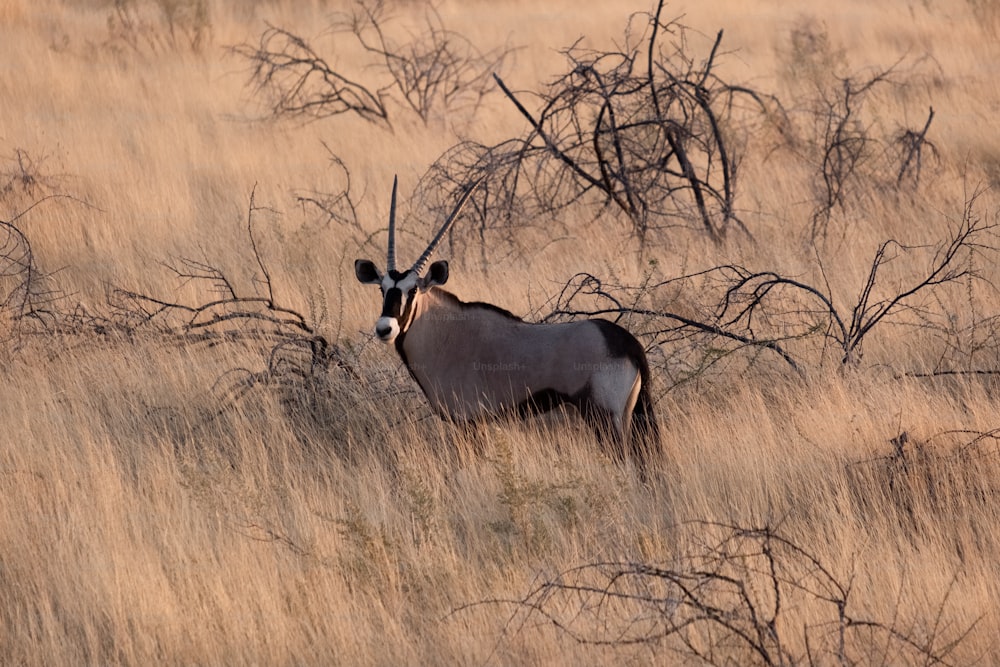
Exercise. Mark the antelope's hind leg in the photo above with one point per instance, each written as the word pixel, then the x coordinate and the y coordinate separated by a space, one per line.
pixel 609 411
pixel 607 427
pixel 612 400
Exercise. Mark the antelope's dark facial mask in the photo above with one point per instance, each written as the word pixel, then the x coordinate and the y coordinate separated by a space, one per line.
pixel 398 291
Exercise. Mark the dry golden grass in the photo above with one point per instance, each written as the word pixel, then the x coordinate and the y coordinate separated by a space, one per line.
pixel 150 517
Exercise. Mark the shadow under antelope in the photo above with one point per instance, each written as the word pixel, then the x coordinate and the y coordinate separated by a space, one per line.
pixel 475 360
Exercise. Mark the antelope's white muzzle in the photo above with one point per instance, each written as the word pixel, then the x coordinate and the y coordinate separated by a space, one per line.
pixel 387 328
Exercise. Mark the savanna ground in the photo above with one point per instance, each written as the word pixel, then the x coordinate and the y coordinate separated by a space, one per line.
pixel 213 486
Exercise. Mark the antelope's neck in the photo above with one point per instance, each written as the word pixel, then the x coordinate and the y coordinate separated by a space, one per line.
pixel 427 327
pixel 430 307
pixel 434 300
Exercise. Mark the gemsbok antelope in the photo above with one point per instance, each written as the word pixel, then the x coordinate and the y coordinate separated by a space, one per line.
pixel 476 360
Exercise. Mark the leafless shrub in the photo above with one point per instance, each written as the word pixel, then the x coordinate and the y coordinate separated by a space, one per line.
pixel 642 132
pixel 295 353
pixel 336 207
pixel 947 477
pixel 734 598
pixel 850 148
pixel 911 145
pixel 318 382
pixel 438 70
pixel 433 72
pixel 23 176
pixel 845 144
pixel 297 81
pixel 26 294
pixel 764 311
pixel 683 347
pixel 767 301
pixel 30 300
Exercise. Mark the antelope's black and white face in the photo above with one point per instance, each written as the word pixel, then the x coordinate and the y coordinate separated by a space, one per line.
pixel 400 292
pixel 401 289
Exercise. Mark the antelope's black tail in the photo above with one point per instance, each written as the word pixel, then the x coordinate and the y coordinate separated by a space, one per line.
pixel 645 441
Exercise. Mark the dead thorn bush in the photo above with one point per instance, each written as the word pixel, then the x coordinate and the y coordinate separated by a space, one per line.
pixel 643 131
pixel 294 350
pixel 736 597
pixel 430 73
pixel 746 312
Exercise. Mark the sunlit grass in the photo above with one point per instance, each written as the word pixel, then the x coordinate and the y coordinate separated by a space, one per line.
pixel 155 509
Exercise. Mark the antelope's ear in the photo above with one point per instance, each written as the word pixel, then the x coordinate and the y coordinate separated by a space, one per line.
pixel 437 274
pixel 366 272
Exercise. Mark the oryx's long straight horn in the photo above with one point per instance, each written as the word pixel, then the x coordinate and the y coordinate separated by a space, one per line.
pixel 391 254
pixel 419 265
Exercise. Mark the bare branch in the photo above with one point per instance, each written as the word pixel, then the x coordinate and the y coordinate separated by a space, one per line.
pixel 913 144
pixel 234 316
pixel 256 252
pixel 298 82
pixel 737 589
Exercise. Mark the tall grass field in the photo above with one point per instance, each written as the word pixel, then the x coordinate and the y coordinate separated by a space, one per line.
pixel 207 458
